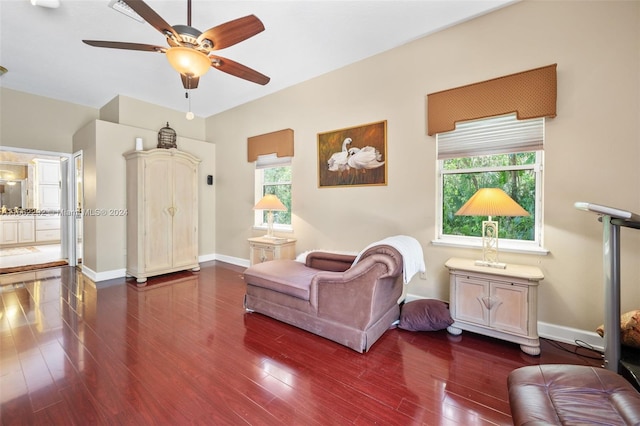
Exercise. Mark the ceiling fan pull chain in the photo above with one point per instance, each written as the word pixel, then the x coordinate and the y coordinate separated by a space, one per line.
pixel 190 115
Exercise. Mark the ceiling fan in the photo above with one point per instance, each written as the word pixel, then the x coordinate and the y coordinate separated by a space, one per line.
pixel 189 50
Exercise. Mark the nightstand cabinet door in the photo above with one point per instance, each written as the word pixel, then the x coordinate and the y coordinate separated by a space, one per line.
pixel 509 307
pixel 261 253
pixel 500 303
pixel 468 300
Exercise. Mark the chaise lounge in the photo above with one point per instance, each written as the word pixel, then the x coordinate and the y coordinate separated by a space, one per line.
pixel 329 295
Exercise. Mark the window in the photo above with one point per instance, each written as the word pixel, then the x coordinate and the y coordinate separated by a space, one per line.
pixel 273 176
pixel 498 152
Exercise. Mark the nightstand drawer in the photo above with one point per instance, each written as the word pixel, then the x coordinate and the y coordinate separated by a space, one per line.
pixel 266 249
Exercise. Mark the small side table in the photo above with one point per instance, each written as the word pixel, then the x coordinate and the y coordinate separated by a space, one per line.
pixel 501 303
pixel 263 249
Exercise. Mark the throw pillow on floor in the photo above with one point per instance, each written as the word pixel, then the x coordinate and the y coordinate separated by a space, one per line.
pixel 425 315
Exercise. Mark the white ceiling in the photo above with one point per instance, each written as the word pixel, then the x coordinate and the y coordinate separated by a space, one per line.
pixel 43 50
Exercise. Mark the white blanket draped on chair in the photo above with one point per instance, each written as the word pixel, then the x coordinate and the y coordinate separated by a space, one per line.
pixel 411 252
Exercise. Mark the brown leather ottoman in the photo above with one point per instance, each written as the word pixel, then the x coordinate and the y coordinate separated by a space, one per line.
pixel 559 394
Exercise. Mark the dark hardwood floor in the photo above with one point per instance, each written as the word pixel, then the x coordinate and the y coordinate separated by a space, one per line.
pixel 184 351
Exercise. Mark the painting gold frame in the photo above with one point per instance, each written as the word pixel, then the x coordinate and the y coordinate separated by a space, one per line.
pixel 353 156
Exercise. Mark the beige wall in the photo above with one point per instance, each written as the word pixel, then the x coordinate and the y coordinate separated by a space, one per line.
pixel 103 144
pixel 35 122
pixel 206 193
pixel 592 148
pixel 133 112
pixel 39 123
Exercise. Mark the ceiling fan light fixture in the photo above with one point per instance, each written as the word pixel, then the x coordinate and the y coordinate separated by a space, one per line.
pixel 188 61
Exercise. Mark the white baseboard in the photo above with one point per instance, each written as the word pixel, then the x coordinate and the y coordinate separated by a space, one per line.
pixel 238 261
pixel 556 332
pixel 206 257
pixel 97 277
pixel 411 297
pixel 570 335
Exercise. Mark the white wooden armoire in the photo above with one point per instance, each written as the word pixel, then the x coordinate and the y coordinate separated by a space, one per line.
pixel 162 212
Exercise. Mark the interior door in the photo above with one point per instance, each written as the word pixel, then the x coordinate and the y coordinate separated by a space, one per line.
pixel 78 203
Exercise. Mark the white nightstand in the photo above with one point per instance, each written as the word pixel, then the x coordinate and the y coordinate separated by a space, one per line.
pixel 501 303
pixel 264 249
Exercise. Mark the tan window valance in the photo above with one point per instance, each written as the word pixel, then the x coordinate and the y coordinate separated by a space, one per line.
pixel 530 94
pixel 280 143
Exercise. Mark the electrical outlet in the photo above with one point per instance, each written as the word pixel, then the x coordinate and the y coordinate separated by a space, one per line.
pixel 423 275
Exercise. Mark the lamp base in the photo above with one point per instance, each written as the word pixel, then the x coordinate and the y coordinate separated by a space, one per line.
pixel 498 265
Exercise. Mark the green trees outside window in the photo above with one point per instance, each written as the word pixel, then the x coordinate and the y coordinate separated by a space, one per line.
pixel 277 181
pixel 513 173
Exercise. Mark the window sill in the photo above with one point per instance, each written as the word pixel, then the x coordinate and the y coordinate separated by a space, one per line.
pixel 503 246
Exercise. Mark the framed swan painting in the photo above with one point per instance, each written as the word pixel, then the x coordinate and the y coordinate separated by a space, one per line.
pixel 354 156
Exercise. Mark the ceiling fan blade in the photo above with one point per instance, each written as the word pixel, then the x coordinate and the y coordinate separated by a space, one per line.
pixel 232 32
pixel 238 70
pixel 189 82
pixel 125 45
pixel 150 15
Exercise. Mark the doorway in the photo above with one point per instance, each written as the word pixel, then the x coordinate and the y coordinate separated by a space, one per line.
pixel 35 229
pixel 78 203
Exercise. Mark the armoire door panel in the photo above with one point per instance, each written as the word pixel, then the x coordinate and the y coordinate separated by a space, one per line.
pixel 185 218
pixel 157 202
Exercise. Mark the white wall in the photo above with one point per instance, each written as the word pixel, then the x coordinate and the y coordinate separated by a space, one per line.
pixel 592 148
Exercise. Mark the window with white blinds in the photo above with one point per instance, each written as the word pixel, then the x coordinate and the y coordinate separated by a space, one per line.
pixel 499 152
pixel 495 135
pixel 272 160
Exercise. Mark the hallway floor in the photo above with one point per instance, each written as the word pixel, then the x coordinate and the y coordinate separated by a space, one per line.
pixel 30 255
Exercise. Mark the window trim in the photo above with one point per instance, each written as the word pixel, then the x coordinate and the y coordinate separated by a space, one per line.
pixel 505 245
pixel 266 162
